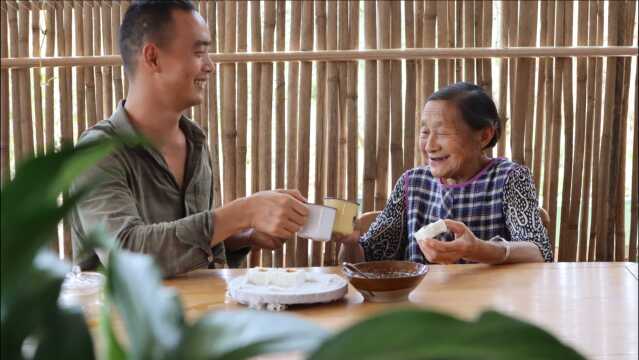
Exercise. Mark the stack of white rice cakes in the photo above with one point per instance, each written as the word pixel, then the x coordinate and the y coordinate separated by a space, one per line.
pixel 274 289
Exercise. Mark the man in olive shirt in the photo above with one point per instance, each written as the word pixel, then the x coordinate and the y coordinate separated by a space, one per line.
pixel 157 199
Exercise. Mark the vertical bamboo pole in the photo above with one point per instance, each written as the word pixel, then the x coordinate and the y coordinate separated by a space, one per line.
pixel 212 118
pixel 107 71
pixel 419 81
pixel 256 74
pixel 521 139
pixel 469 41
pixel 293 85
pixel 80 70
pixel 428 66
pixel 37 77
pixel 97 50
pixel 626 28
pixel 303 154
pixel 342 151
pixel 48 110
pixel 292 114
pixel 351 103
pixel 280 113
pixel 397 155
pixel 229 134
pixel 26 112
pixel 332 117
pixel 409 86
pixel 383 125
pixel 12 21
pixel 487 36
pixel 459 39
pixel 5 169
pixel 89 85
pixel 256 46
pixel 589 126
pixel 117 69
pixel 320 123
pixel 124 6
pixel 605 242
pixel 242 102
pixel 442 42
pixel 450 22
pixel 548 110
pixel 512 64
pixel 503 80
pixel 266 103
pixel 634 202
pixel 596 145
pixel 478 22
pixel 370 109
pixel 569 244
pixel 195 112
pixel 540 97
pixel 580 128
pixel 553 176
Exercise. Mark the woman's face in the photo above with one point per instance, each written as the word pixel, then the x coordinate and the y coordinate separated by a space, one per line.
pixel 448 144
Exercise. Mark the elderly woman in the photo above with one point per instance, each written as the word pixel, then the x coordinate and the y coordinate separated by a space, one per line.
pixel 488 204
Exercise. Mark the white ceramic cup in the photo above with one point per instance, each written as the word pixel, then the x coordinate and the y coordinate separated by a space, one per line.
pixel 320 223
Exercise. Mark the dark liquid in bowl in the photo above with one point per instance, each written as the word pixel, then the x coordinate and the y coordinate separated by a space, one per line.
pixel 388 274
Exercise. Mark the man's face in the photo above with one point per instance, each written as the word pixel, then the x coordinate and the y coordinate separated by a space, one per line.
pixel 184 63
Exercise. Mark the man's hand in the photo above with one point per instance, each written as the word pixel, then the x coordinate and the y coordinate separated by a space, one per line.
pixel 450 252
pixel 278 213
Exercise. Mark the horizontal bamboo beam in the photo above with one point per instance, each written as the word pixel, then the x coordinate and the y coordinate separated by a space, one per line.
pixel 347 55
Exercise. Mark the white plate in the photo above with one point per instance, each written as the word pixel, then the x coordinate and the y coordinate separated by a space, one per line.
pixel 324 288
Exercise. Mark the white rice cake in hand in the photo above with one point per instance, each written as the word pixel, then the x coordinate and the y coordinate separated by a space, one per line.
pixel 431 230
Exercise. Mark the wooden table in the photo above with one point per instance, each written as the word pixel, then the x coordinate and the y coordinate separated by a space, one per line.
pixel 591 306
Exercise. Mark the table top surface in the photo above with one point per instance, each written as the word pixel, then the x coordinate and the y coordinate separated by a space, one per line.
pixel 591 306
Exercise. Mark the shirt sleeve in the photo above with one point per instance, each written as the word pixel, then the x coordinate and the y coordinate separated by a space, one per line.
pixel 383 239
pixel 521 210
pixel 177 246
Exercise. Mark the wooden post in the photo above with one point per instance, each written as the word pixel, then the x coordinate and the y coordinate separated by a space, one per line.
pixel 229 134
pixel 487 36
pixel 605 240
pixel 124 6
pixel 107 71
pixel 280 113
pixel 97 50
pixel 342 150
pixel 540 97
pixel 26 112
pixel 503 80
pixel 370 110
pixel 117 70
pixel 256 46
pixel 397 155
pixel 12 21
pixel 634 207
pixel 212 118
pixel 320 121
pixel 37 77
pixel 597 136
pixel 409 86
pixel 332 118
pixel 469 41
pixel 89 84
pixel 478 29
pixel 459 39
pixel 79 70
pixel 579 141
pixel 242 103
pixel 442 42
pixel 292 111
pixel 513 12
pixel 383 125
pixel 266 103
pixel 548 110
pixel 303 153
pixel 5 169
pixel 351 104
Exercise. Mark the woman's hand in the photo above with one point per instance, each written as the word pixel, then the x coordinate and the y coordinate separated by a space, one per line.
pixel 450 252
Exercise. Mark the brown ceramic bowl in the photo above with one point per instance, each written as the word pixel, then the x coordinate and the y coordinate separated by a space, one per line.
pixel 388 280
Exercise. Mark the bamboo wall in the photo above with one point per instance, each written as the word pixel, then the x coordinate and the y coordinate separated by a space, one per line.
pixel 348 128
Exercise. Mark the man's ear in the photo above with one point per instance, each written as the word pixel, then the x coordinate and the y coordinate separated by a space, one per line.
pixel 487 135
pixel 150 54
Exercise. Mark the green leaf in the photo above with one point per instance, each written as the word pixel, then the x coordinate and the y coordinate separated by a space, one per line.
pixel 66 336
pixel 112 348
pixel 417 334
pixel 152 314
pixel 234 335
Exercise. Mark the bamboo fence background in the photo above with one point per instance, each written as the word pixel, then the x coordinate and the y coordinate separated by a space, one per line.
pixel 348 128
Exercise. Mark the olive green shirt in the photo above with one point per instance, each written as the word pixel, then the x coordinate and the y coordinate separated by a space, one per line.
pixel 138 202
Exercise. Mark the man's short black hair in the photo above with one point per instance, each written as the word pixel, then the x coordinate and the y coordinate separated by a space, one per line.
pixel 147 20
